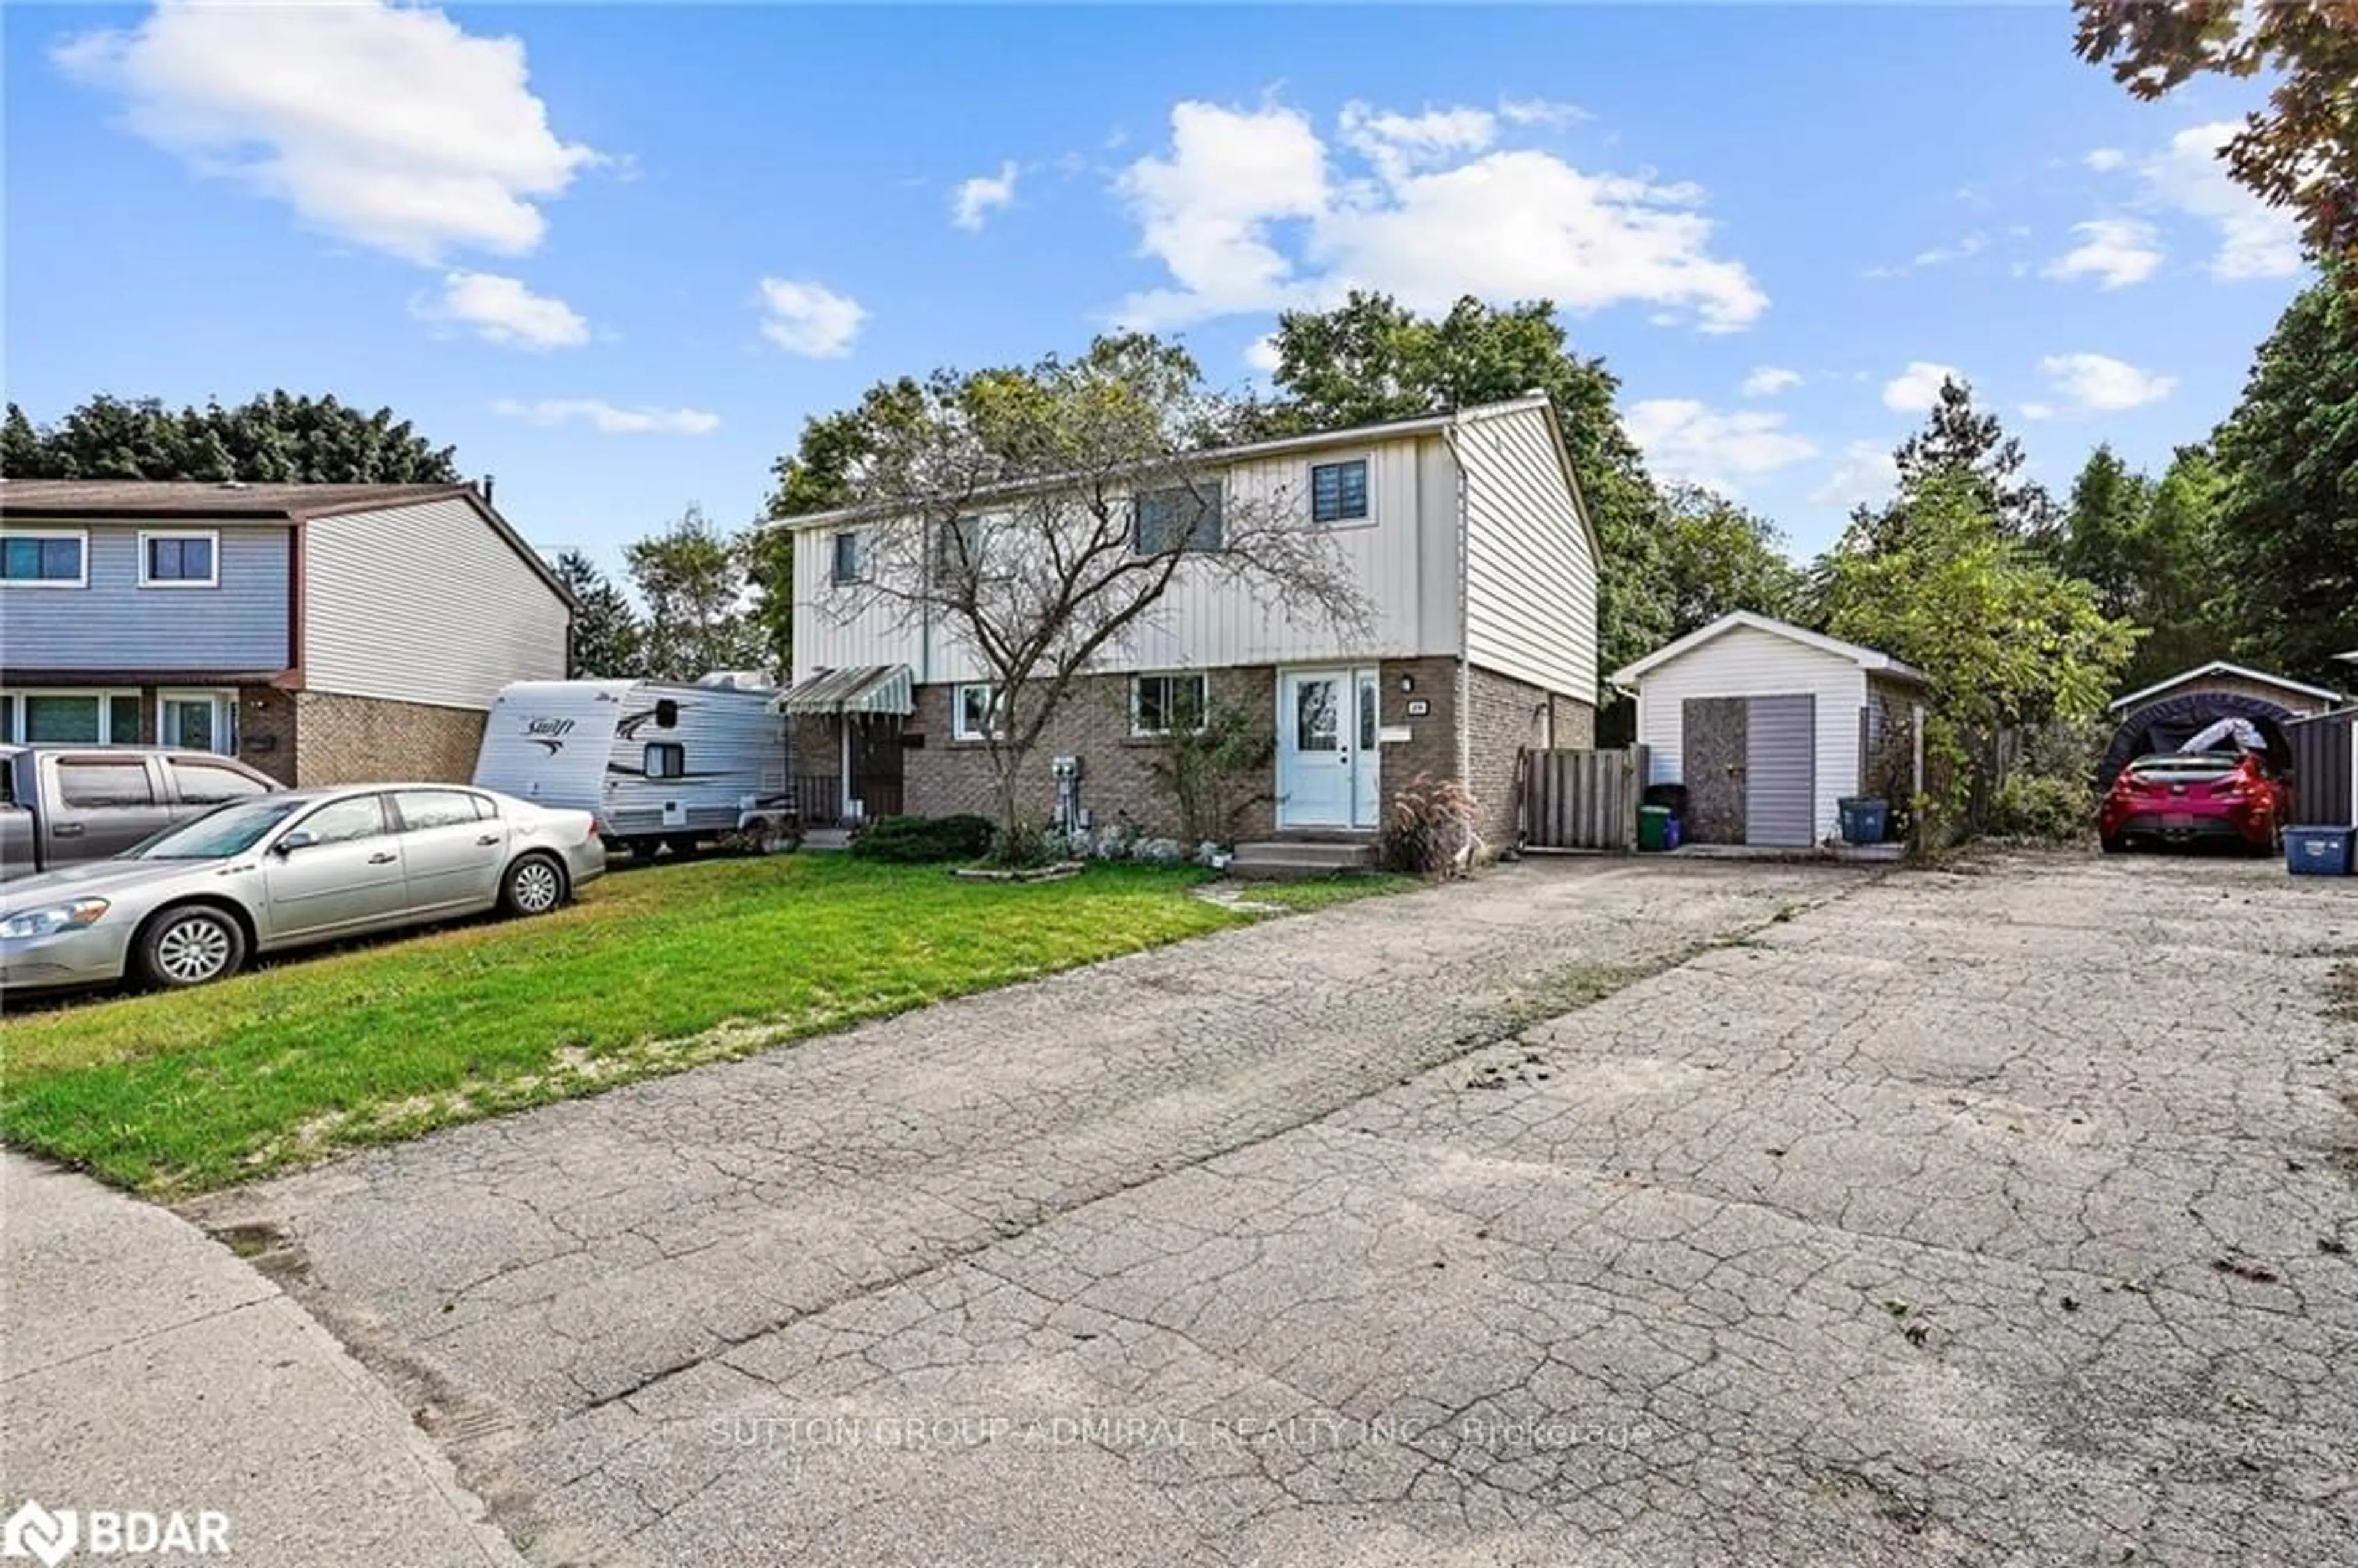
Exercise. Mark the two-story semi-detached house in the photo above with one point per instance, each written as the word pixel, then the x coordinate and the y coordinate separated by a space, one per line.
pixel 1465 535
pixel 325 633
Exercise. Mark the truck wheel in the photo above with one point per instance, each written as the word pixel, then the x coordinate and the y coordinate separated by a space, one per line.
pixel 534 885
pixel 190 946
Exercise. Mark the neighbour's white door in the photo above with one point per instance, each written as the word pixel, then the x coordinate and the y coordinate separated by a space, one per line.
pixel 1326 757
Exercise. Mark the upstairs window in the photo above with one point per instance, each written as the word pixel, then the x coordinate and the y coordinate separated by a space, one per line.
pixel 958 547
pixel 847 562
pixel 1338 492
pixel 42 560
pixel 178 560
pixel 1185 517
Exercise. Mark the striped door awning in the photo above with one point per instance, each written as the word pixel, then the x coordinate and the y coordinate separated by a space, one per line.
pixel 854 688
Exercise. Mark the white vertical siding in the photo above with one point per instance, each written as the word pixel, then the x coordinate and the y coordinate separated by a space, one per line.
pixel 1747 663
pixel 425 603
pixel 1403 561
pixel 1530 578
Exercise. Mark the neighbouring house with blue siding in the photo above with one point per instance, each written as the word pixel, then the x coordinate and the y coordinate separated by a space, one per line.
pixel 324 632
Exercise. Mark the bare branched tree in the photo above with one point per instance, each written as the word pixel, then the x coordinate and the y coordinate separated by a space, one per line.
pixel 1039 519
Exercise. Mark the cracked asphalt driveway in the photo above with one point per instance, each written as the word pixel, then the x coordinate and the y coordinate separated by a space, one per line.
pixel 1993 1217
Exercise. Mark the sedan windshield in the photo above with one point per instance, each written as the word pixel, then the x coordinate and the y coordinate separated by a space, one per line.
pixel 217 835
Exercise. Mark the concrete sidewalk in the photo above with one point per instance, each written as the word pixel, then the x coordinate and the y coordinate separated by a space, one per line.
pixel 144 1367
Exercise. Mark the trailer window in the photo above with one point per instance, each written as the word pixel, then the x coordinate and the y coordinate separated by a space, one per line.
pixel 665 760
pixel 667 714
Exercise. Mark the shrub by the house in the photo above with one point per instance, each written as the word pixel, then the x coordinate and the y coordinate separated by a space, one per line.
pixel 917 840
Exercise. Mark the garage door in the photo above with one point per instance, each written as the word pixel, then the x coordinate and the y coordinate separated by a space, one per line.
pixel 1781 775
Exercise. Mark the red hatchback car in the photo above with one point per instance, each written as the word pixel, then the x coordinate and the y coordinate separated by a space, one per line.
pixel 2180 797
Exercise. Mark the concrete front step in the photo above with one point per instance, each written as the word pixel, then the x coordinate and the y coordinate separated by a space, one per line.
pixel 1296 859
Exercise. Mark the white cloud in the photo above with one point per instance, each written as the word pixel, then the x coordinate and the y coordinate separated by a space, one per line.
pixel 983 194
pixel 1685 440
pixel 1399 143
pixel 1918 387
pixel 502 311
pixel 2254 239
pixel 1862 474
pixel 607 418
pixel 2097 383
pixel 2116 252
pixel 1770 380
pixel 1973 245
pixel 805 318
pixel 1548 112
pixel 1262 354
pixel 2105 159
pixel 386 125
pixel 1248 212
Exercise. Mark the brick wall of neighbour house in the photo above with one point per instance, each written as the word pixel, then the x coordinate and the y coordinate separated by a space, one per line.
pixel 360 739
pixel 1117 782
pixel 265 731
pixel 1504 716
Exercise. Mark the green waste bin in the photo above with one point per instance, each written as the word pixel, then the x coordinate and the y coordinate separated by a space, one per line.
pixel 1653 828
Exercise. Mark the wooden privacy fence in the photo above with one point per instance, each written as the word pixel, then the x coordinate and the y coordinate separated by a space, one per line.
pixel 1582 800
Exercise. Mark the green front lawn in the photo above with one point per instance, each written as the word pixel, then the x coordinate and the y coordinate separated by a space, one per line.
pixel 653 970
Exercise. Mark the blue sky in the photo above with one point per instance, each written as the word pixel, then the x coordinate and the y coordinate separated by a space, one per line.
pixel 616 255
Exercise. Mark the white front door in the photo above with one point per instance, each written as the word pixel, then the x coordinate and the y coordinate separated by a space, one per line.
pixel 1328 770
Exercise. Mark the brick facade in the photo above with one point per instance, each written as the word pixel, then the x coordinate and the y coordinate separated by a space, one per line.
pixel 1117 782
pixel 360 740
pixel 1482 717
pixel 1504 718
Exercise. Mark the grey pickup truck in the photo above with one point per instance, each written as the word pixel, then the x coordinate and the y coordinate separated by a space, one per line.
pixel 63 805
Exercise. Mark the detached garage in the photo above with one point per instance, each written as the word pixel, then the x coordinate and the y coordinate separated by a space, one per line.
pixel 1768 725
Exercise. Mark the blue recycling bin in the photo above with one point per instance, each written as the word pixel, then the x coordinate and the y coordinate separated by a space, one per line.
pixel 1864 821
pixel 2318 852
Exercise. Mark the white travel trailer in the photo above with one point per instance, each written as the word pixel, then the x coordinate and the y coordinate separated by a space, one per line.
pixel 657 763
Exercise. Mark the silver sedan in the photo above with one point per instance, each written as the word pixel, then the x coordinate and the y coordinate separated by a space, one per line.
pixel 195 902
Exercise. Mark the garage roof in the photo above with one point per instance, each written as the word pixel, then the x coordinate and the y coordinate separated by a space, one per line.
pixel 2222 667
pixel 1868 659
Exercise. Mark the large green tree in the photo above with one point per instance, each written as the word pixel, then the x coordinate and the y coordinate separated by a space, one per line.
pixel 2301 151
pixel 691 576
pixel 1716 558
pixel 2104 539
pixel 2180 576
pixel 1961 442
pixel 2288 541
pixel 608 642
pixel 2005 638
pixel 1371 358
pixel 274 438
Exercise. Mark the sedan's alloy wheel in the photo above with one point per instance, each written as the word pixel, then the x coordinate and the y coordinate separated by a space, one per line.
pixel 195 949
pixel 536 887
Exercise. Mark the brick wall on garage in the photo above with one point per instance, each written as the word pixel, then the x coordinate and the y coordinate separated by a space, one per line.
pixel 1504 717
pixel 1118 782
pixel 360 740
